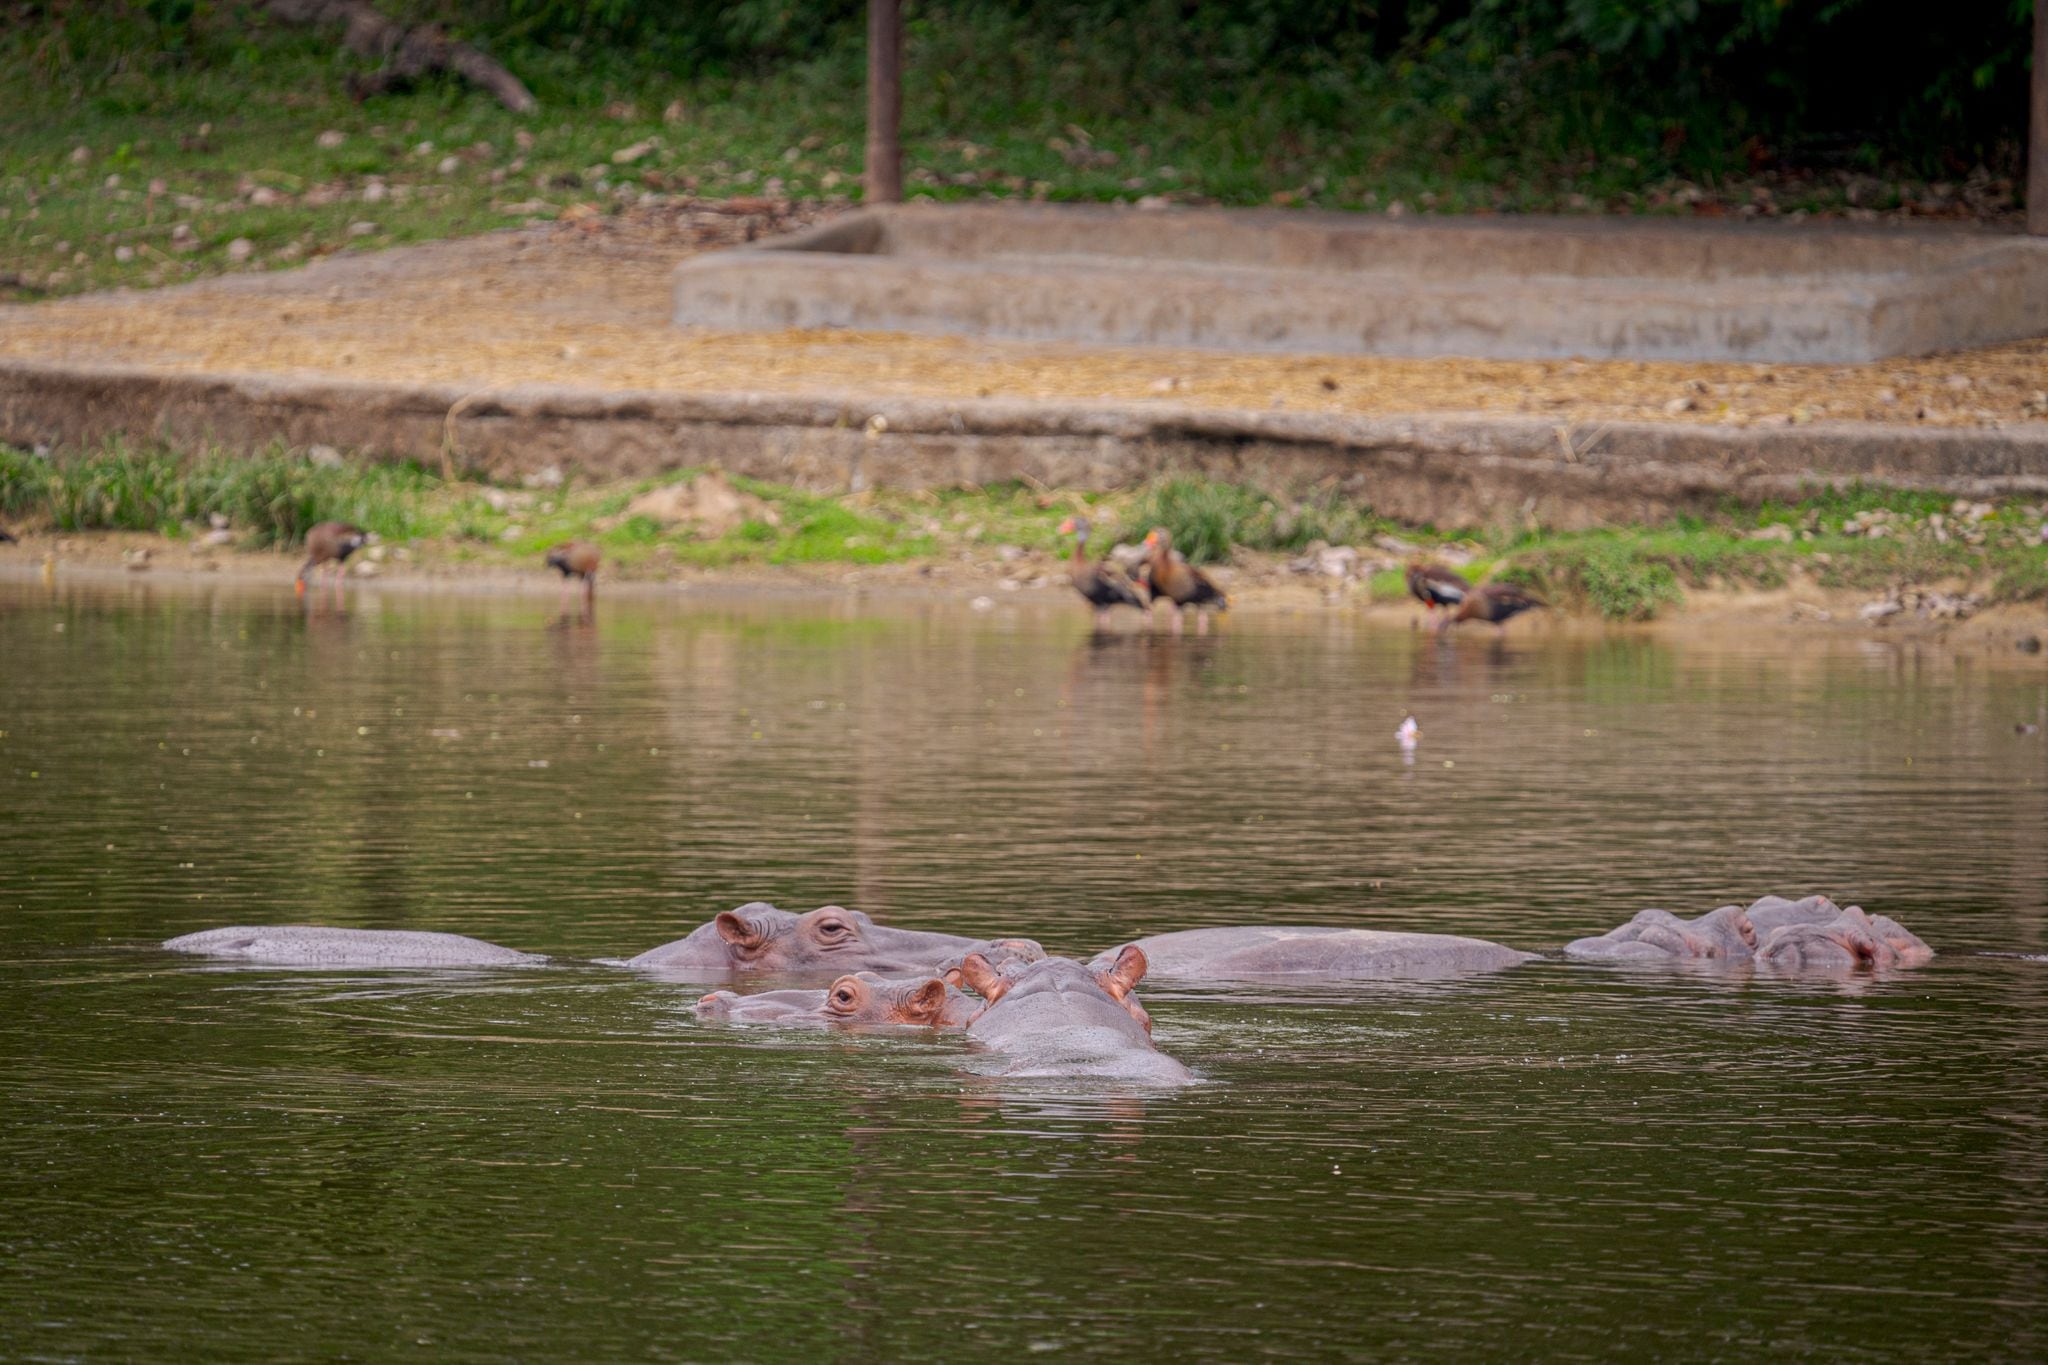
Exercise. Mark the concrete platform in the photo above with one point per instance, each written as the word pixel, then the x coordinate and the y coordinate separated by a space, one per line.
pixel 1269 280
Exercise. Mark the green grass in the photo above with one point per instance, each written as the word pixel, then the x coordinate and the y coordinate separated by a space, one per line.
pixel 122 164
pixel 1623 574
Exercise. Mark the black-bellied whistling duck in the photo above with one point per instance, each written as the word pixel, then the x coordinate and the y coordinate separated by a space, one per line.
pixel 1170 576
pixel 1497 603
pixel 576 559
pixel 1435 586
pixel 1103 584
pixel 330 542
pixel 6 538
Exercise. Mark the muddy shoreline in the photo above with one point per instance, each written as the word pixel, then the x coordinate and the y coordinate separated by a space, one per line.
pixel 1260 586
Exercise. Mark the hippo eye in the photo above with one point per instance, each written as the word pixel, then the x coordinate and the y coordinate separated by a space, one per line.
pixel 834 928
pixel 843 998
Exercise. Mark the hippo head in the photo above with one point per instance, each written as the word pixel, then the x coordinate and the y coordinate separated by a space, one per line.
pixel 994 985
pixel 1008 956
pixel 831 940
pixel 856 998
pixel 1847 941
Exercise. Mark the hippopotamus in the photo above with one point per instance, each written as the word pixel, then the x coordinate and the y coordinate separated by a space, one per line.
pixel 1787 934
pixel 1057 1018
pixel 858 998
pixel 1850 939
pixel 827 942
pixel 313 945
pixel 1302 951
pixel 1726 934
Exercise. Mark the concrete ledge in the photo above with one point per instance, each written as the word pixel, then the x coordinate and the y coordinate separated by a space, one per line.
pixel 1338 284
pixel 1451 469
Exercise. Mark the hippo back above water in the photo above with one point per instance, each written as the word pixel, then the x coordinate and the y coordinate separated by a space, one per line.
pixel 1253 952
pixel 828 942
pixel 314 945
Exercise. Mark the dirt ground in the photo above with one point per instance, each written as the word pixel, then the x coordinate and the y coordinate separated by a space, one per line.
pixel 585 303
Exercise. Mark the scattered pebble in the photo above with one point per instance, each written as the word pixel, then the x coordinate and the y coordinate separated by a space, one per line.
pixel 361 229
pixel 983 604
pixel 241 249
pixel 330 139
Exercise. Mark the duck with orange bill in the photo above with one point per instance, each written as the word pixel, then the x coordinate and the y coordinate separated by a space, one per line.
pixel 1435 586
pixel 1179 582
pixel 328 545
pixel 1102 585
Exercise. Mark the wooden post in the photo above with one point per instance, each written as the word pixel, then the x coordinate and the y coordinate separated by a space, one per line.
pixel 883 183
pixel 2037 135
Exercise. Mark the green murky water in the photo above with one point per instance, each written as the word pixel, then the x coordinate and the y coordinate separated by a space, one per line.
pixel 198 1162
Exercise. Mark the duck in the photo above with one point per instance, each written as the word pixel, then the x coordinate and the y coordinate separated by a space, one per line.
pixel 7 537
pixel 330 542
pixel 576 559
pixel 1495 603
pixel 1169 575
pixel 1435 586
pixel 1102 584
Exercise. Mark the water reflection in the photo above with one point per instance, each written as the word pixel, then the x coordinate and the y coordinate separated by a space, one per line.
pixel 563 1162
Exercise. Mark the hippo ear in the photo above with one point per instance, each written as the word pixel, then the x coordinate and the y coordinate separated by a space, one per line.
pixel 926 1003
pixel 740 932
pixel 982 978
pixel 1125 973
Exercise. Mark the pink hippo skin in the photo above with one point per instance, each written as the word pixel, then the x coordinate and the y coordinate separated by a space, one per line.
pixel 1850 940
pixel 827 942
pixel 859 998
pixel 1056 1019
pixel 1252 952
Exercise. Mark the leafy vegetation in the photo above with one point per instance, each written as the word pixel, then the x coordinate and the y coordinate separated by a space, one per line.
pixel 142 142
pixel 1864 539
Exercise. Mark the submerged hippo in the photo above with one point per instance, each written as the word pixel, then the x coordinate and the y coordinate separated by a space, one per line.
pixel 827 942
pixel 859 998
pixel 1658 935
pixel 1255 951
pixel 1810 933
pixel 313 945
pixel 1850 939
pixel 1057 1018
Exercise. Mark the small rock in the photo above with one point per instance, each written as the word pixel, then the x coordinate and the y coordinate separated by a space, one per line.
pixel 512 532
pixel 365 568
pixel 327 457
pixel 1678 405
pixel 1167 384
pixel 1878 611
pixel 217 520
pixel 124 254
pixel 1009 554
pixel 547 476
pixel 1957 382
pixel 675 113
pixel 983 604
pixel 330 139
pixel 449 165
pixel 363 229
pixel 376 553
pixel 80 155
pixel 1779 532
pixel 264 197
pixel 1887 396
pixel 375 192
pixel 241 249
pixel 219 535
pixel 626 156
pixel 522 139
